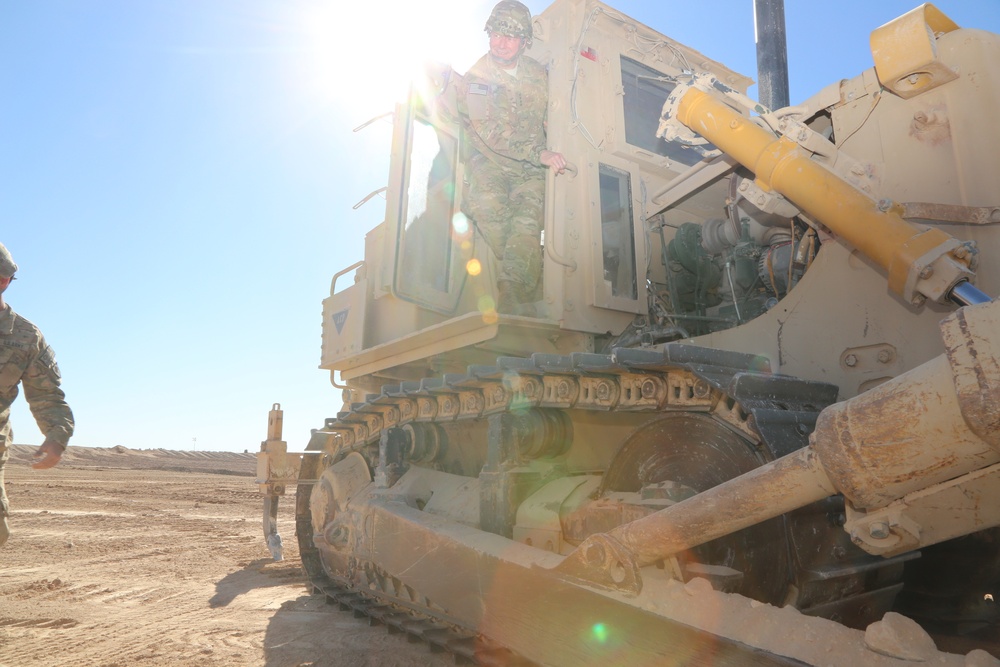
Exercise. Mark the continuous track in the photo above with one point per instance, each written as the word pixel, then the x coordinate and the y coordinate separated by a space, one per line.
pixel 467 648
pixel 776 412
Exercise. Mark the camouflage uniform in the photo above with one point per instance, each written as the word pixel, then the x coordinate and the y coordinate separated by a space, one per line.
pixel 505 123
pixel 26 359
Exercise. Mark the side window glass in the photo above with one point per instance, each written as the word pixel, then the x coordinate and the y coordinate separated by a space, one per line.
pixel 617 237
pixel 428 252
pixel 645 92
pixel 426 244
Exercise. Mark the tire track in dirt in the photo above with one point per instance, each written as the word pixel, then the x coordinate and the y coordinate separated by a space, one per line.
pixel 119 568
pixel 103 613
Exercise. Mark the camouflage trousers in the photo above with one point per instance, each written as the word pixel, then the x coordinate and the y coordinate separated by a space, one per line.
pixel 4 506
pixel 6 437
pixel 507 207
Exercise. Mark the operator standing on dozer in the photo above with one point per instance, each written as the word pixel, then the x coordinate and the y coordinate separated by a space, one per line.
pixel 503 103
pixel 26 359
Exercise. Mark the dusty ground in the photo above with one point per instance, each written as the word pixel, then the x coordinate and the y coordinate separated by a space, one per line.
pixel 122 558
pixel 129 558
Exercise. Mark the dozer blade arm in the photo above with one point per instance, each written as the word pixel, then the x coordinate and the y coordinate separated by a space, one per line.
pixel 883 450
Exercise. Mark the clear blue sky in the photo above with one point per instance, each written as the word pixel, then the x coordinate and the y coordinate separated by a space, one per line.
pixel 177 180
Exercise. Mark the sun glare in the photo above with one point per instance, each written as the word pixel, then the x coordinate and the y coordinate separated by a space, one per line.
pixel 363 56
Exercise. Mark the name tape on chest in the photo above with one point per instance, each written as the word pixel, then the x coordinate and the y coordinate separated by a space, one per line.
pixel 13 343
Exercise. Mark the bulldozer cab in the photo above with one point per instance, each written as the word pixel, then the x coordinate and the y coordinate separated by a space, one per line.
pixel 657 235
pixel 427 287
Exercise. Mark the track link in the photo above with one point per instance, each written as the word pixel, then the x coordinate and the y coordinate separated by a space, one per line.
pixel 466 648
pixel 779 410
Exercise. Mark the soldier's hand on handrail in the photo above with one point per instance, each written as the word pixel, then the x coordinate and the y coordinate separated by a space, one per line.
pixel 554 161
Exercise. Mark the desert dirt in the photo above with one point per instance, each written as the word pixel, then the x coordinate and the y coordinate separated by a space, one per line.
pixel 122 558
pixel 129 558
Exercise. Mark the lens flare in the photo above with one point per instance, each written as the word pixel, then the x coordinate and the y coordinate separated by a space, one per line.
pixel 488 308
pixel 761 363
pixel 599 633
pixel 460 223
pixel 473 267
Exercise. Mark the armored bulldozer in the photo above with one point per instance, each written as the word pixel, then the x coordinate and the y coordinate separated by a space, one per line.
pixel 756 416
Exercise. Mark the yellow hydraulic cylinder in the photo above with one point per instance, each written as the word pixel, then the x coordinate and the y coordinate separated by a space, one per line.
pixel 782 165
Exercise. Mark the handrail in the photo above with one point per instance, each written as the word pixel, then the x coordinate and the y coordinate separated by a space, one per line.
pixel 369 196
pixel 550 184
pixel 333 283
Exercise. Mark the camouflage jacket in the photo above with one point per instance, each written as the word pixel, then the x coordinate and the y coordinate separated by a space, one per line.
pixel 504 115
pixel 26 359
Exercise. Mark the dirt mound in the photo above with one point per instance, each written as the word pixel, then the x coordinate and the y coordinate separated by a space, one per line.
pixel 120 457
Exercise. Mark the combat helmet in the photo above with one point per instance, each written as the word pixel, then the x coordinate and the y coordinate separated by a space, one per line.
pixel 511 18
pixel 7 266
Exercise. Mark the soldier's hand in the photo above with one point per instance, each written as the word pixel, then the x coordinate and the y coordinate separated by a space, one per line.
pixel 553 160
pixel 48 455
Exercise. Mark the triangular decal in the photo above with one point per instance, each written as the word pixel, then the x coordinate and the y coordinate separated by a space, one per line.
pixel 338 320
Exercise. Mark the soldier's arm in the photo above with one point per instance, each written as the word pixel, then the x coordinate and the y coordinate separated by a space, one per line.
pixel 47 401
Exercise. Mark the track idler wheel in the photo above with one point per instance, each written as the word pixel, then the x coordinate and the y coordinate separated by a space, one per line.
pixel 686 453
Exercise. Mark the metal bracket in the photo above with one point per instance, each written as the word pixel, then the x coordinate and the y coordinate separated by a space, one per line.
pixel 883 532
pixel 604 562
pixel 951 214
pixel 905 52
